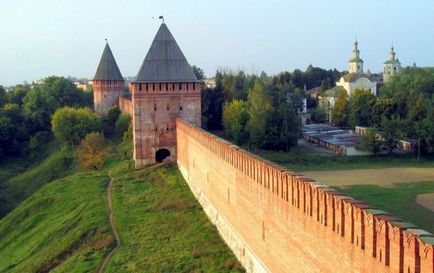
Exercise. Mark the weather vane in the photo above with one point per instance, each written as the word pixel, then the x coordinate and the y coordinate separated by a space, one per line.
pixel 162 18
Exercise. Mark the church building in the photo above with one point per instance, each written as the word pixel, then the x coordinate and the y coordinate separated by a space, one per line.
pixel 391 67
pixel 165 89
pixel 356 79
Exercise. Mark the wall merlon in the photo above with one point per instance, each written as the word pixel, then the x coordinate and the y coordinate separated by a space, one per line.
pixel 291 219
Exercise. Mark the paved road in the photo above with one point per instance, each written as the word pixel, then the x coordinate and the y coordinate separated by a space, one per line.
pixel 113 226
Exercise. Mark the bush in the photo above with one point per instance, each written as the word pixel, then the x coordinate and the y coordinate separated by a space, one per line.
pixel 91 155
pixel 122 124
pixel 110 120
pixel 71 125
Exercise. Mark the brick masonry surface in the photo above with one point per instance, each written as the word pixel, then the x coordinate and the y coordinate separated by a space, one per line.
pixel 277 221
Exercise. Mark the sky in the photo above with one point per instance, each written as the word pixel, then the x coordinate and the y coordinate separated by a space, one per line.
pixel 40 38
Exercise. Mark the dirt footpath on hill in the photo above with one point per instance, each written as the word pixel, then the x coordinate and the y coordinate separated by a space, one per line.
pixel 383 177
pixel 426 200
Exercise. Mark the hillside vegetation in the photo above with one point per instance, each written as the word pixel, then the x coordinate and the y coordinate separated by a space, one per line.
pixel 64 226
pixel 162 226
pixel 61 228
pixel 20 178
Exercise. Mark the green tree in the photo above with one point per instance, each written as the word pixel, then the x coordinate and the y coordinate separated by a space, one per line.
pixel 109 121
pixel 17 95
pixel 382 108
pixel 361 102
pixel 13 130
pixel 392 132
pixel 122 124
pixel 318 115
pixel 42 100
pixel 91 154
pixel 370 142
pixel 410 82
pixel 340 111
pixel 71 125
pixel 259 107
pixel 3 97
pixel 235 117
pixel 212 100
pixel 200 75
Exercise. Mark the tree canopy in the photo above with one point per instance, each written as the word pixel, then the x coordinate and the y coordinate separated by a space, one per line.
pixel 71 125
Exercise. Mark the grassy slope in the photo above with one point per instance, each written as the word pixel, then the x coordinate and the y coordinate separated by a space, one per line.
pixel 19 178
pixel 162 227
pixel 64 225
pixel 399 200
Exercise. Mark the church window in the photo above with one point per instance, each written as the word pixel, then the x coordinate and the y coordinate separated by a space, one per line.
pixel 167 107
pixel 180 107
pixel 394 68
pixel 159 86
pixel 153 86
pixel 140 87
pixel 155 107
pixel 167 128
pixel 146 86
pixel 194 86
pixel 173 86
pixel 180 86
pixel 156 129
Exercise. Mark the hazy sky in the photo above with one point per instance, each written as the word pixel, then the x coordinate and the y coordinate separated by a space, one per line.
pixel 58 37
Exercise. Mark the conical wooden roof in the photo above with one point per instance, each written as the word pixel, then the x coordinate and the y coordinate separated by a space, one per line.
pixel 108 69
pixel 165 61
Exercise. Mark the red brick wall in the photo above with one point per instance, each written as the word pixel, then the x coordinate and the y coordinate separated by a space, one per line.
pixel 155 107
pixel 291 223
pixel 126 105
pixel 106 94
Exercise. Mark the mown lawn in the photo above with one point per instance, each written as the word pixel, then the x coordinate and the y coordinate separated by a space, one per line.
pixel 61 228
pixel 162 226
pixel 299 162
pixel 399 200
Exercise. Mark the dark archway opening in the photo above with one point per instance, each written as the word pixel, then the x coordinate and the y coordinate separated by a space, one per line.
pixel 161 154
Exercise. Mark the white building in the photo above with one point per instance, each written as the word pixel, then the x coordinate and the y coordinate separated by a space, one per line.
pixel 391 67
pixel 356 79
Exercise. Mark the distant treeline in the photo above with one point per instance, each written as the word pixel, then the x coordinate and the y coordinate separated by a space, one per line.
pixel 404 110
pixel 25 113
pixel 261 111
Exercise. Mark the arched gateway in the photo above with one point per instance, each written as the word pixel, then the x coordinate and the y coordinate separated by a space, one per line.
pixel 161 155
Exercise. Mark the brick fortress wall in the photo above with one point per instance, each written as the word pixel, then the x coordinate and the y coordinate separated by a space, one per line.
pixel 155 108
pixel 277 221
pixel 106 94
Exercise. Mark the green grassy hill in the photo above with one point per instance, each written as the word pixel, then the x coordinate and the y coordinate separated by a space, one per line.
pixel 20 178
pixel 62 226
pixel 162 226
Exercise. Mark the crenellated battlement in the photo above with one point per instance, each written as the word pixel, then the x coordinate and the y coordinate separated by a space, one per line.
pixel 284 220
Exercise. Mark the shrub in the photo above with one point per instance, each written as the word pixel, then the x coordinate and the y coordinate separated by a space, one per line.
pixel 122 124
pixel 91 155
pixel 71 125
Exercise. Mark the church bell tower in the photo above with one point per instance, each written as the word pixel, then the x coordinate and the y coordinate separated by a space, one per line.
pixel 355 63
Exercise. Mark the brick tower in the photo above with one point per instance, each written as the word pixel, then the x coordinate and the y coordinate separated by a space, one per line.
pixel 108 83
pixel 165 88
